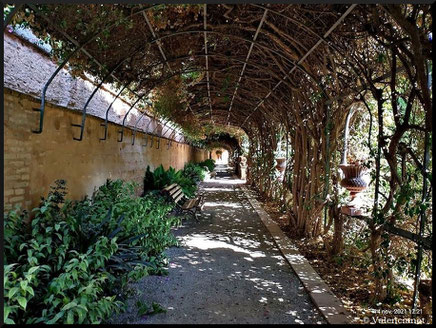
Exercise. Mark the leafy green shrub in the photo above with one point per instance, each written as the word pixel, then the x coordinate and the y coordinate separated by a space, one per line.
pixel 209 163
pixel 187 178
pixel 194 172
pixel 72 262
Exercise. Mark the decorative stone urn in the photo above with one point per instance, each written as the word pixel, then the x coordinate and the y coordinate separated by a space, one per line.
pixel 354 183
pixel 281 164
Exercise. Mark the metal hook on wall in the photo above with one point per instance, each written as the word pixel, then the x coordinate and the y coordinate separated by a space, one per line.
pixel 136 124
pixel 146 130
pixel 82 124
pixel 121 132
pixel 106 120
pixel 135 129
pixel 152 135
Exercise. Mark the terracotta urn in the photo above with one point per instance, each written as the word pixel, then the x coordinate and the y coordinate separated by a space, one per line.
pixel 353 181
pixel 281 164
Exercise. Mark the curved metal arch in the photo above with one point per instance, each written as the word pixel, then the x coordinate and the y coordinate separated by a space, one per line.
pixel 79 47
pixel 158 137
pixel 279 100
pixel 227 93
pixel 263 68
pixel 106 120
pixel 338 21
pixel 160 82
pixel 11 15
pixel 169 139
pixel 184 32
pixel 296 22
pixel 121 131
pixel 216 55
pixel 135 128
pixel 242 39
pixel 168 128
pixel 224 113
pixel 82 125
pixel 152 119
pixel 202 31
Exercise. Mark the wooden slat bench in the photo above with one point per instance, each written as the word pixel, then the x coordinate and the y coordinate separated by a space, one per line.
pixel 184 204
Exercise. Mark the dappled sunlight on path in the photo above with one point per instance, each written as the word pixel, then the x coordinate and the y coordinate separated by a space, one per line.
pixel 228 269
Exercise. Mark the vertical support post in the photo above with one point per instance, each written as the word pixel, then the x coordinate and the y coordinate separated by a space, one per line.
pixel 327 160
pixel 346 133
pixel 421 223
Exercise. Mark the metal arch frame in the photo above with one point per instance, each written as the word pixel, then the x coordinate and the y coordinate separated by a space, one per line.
pixel 82 125
pixel 278 99
pixel 207 58
pixel 135 127
pixel 152 119
pixel 72 40
pixel 162 81
pixel 304 57
pixel 11 15
pixel 152 134
pixel 81 47
pixel 143 11
pixel 294 21
pixel 168 128
pixel 243 89
pixel 295 65
pixel 160 49
pixel 78 48
pixel 169 139
pixel 110 73
pixel 232 58
pixel 166 36
pixel 106 120
pixel 225 112
pixel 259 27
pixel 121 131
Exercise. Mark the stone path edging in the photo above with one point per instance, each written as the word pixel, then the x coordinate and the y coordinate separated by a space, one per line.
pixel 323 298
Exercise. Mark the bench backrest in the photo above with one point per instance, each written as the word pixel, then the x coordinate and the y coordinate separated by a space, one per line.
pixel 175 192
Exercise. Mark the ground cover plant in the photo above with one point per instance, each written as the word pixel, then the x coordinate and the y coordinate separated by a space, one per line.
pixel 73 261
pixel 187 179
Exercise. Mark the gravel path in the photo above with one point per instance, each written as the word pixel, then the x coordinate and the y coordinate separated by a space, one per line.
pixel 228 270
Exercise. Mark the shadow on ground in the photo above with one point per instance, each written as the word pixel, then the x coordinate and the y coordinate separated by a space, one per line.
pixel 228 269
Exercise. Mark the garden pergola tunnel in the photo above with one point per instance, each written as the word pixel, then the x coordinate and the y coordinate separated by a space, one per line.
pixel 290 79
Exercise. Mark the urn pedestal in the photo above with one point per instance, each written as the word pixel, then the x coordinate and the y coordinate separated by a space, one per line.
pixel 354 183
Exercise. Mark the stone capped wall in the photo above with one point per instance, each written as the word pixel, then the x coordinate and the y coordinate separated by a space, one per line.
pixel 32 162
pixel 27 69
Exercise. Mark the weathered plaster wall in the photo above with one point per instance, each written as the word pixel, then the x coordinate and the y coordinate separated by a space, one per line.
pixel 33 162
pixel 27 69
